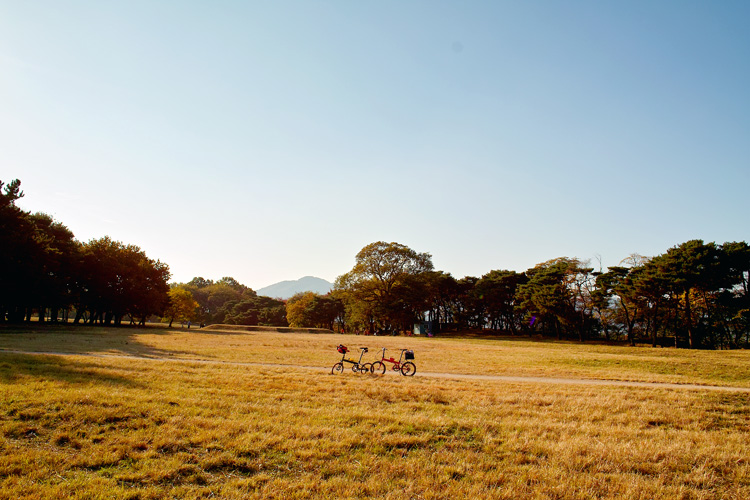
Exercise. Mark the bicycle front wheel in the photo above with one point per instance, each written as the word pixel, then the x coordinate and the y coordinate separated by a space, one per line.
pixel 408 369
pixel 338 368
pixel 378 368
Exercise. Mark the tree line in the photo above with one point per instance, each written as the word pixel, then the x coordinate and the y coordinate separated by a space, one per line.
pixel 48 273
pixel 225 301
pixel 693 295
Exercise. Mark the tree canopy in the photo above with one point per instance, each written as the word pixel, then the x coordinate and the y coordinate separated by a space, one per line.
pixel 312 310
pixel 694 295
pixel 387 287
pixel 48 272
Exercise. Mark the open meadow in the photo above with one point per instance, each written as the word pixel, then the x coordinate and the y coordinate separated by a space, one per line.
pixel 200 420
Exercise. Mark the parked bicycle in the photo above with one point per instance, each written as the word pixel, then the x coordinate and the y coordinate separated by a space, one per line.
pixel 357 366
pixel 407 367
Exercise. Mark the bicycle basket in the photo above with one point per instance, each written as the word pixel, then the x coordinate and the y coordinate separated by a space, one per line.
pixel 342 349
pixel 409 354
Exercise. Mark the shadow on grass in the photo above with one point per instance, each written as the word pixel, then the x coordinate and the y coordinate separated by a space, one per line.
pixel 87 339
pixel 58 368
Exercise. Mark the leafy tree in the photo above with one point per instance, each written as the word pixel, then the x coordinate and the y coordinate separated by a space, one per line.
pixel 256 310
pixel 9 194
pixel 312 310
pixel 558 294
pixel 54 264
pixel 684 271
pixel 199 282
pixel 46 269
pixel 232 283
pixel 544 297
pixel 650 289
pixel 272 312
pixel 298 310
pixel 182 305
pixel 384 278
pixel 469 308
pixel 497 291
pixel 735 300
pixel 449 300
pixel 38 256
pixel 358 314
pixel 214 297
pixel 328 311
pixel 119 280
pixel 616 293
pixel 16 245
pixel 692 293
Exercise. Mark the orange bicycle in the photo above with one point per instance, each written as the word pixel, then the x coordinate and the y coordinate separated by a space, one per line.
pixel 407 367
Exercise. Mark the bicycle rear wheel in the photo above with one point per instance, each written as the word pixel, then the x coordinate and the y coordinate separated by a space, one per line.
pixel 365 368
pixel 338 368
pixel 408 369
pixel 378 368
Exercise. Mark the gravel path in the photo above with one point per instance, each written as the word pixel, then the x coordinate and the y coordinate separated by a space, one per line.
pixel 453 376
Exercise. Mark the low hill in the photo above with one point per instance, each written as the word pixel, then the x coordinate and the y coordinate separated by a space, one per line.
pixel 286 289
pixel 279 329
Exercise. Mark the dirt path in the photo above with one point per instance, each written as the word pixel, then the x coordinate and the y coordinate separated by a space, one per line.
pixel 453 376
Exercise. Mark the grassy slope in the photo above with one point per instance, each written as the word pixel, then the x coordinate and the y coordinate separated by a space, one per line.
pixel 84 427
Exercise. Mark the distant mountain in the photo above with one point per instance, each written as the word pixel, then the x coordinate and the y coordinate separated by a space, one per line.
pixel 286 289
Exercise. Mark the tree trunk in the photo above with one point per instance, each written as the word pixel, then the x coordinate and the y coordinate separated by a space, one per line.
pixel 688 319
pixel 652 325
pixel 15 315
pixel 631 335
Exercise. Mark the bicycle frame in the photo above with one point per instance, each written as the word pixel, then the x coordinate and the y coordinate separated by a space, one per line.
pixel 396 364
pixel 362 351
pixel 357 366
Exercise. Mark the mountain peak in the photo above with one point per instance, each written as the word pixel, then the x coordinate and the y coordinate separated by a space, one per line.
pixel 288 288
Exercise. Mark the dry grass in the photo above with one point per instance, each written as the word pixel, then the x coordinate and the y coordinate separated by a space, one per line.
pixel 479 356
pixel 83 427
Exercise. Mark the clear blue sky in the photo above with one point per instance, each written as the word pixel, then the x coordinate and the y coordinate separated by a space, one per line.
pixel 272 140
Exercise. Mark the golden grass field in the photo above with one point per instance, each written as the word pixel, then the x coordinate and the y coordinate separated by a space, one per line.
pixel 176 426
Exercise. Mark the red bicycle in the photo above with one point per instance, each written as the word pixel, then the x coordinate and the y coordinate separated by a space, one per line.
pixel 357 366
pixel 407 368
